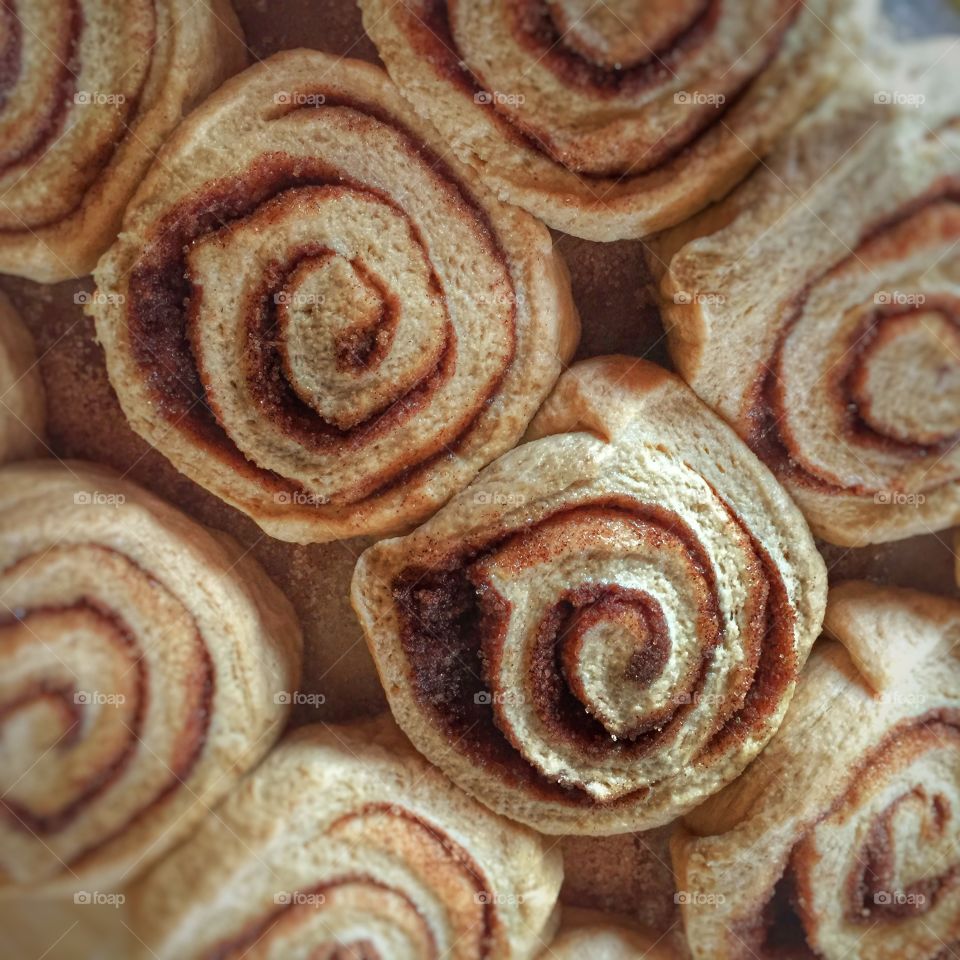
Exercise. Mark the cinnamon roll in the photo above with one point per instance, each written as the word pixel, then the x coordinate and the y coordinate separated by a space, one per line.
pixel 842 839
pixel 346 843
pixel 818 308
pixel 22 401
pixel 617 119
pixel 607 626
pixel 145 664
pixel 393 329
pixel 89 90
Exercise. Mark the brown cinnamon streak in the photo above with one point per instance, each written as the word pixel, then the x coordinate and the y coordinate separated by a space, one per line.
pixel 60 819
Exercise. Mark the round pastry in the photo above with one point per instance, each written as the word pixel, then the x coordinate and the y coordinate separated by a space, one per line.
pixel 393 329
pixel 597 936
pixel 842 839
pixel 22 403
pixel 145 664
pixel 616 119
pixel 607 626
pixel 827 329
pixel 346 843
pixel 89 90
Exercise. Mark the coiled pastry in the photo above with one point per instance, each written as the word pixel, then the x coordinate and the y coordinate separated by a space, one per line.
pixel 89 90
pixel 346 843
pixel 818 308
pixel 22 402
pixel 145 664
pixel 616 119
pixel 393 328
pixel 607 626
pixel 841 840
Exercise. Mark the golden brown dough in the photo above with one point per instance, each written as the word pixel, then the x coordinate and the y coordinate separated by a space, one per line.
pixel 22 404
pixel 89 90
pixel 393 327
pixel 616 119
pixel 605 627
pixel 841 840
pixel 145 664
pixel 346 843
pixel 818 308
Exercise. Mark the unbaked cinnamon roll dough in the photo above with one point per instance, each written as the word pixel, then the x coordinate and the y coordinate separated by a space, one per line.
pixel 860 858
pixel 86 421
pixel 608 624
pixel 145 664
pixel 91 90
pixel 827 329
pixel 394 330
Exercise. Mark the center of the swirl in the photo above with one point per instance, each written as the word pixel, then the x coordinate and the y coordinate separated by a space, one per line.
pixel 610 648
pixel 899 849
pixel 908 383
pixel 333 314
pixel 622 33
pixel 69 699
